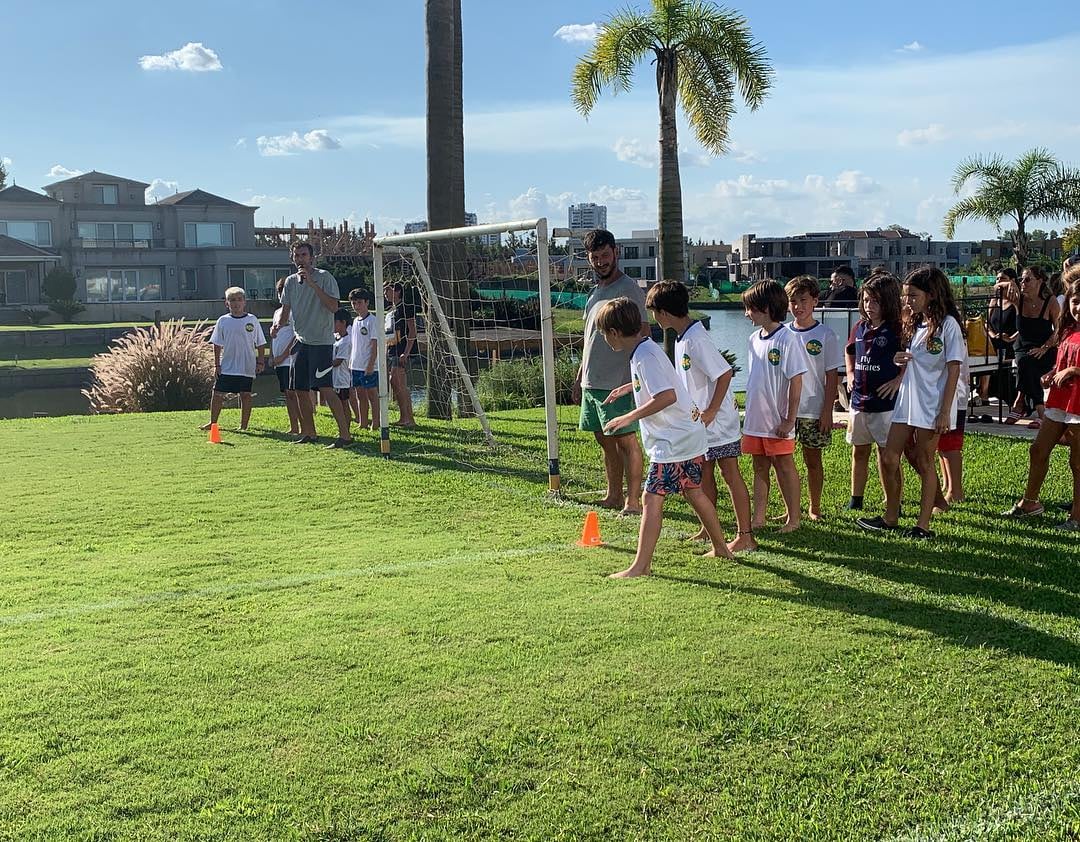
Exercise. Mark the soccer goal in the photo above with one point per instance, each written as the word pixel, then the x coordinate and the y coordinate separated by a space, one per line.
pixel 498 326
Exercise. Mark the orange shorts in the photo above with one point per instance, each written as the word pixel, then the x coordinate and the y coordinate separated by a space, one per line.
pixel 761 446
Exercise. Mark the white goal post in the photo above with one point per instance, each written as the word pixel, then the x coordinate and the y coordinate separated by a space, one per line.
pixel 413 248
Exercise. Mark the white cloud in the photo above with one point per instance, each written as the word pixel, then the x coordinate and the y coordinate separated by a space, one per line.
pixel 241 143
pixel 60 171
pixel 913 47
pixel 934 133
pixel 160 188
pixel 853 181
pixel 745 156
pixel 316 140
pixel 534 203
pixel 262 199
pixel 192 57
pixel 633 151
pixel 575 33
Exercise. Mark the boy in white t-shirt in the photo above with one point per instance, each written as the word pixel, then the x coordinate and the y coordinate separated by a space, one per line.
pixel 706 376
pixel 671 431
pixel 363 361
pixel 824 359
pixel 341 377
pixel 239 345
pixel 777 363
pixel 282 353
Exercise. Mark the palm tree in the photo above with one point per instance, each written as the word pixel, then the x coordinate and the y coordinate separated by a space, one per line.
pixel 1034 186
pixel 446 183
pixel 703 55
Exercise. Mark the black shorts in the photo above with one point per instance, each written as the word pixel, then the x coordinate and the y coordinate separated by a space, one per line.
pixel 233 383
pixel 344 394
pixel 309 361
pixel 284 377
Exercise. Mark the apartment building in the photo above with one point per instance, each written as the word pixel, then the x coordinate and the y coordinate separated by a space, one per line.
pixel 119 248
pixel 587 215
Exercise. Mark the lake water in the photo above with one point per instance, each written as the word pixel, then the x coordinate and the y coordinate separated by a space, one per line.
pixel 729 330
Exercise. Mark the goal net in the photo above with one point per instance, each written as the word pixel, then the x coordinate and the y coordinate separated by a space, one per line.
pixel 496 312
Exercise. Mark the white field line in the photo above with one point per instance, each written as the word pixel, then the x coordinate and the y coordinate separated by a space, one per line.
pixel 298 580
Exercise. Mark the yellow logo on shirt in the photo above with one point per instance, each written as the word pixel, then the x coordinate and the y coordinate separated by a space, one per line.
pixel 695 414
pixel 813 347
pixel 685 362
pixel 637 383
pixel 249 327
pixel 774 356
pixel 935 346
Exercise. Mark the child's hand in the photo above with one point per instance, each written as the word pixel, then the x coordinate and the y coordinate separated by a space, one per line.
pixel 274 329
pixel 1064 376
pixel 902 357
pixel 616 424
pixel 618 392
pixel 1047 380
pixel 785 428
pixel 941 423
pixel 888 390
pixel 260 365
pixel 369 370
pixel 825 422
pixel 708 416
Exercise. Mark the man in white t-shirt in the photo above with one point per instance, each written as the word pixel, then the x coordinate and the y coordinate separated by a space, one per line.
pixel 239 345
pixel 671 431
pixel 777 363
pixel 824 359
pixel 706 376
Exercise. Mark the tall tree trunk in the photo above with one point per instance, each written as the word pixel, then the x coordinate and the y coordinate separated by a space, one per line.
pixel 446 186
pixel 1021 244
pixel 669 196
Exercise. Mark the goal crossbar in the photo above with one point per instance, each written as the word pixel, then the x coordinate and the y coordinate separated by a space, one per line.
pixel 459 233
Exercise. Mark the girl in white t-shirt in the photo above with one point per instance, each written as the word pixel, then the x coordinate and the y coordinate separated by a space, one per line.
pixel 671 431
pixel 926 402
pixel 706 376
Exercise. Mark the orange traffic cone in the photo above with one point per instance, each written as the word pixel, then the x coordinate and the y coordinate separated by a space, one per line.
pixel 590 534
pixel 215 434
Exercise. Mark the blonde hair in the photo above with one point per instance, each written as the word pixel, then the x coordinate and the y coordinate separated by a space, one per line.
pixel 231 291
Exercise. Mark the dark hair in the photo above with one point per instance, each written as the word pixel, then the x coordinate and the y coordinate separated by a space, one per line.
pixel 881 269
pixel 620 315
pixel 1066 322
pixel 844 270
pixel 885 290
pixel 1056 286
pixel 597 239
pixel 310 250
pixel 359 293
pixel 280 286
pixel 766 297
pixel 1007 271
pixel 939 302
pixel 803 285
pixel 342 315
pixel 1040 274
pixel 671 297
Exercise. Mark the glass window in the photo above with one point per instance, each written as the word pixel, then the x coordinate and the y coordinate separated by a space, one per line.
pixel 630 252
pixel 97 287
pixel 29 231
pixel 149 285
pixel 650 272
pixel 106 194
pixel 14 288
pixel 125 231
pixel 143 230
pixel 205 234
pixel 633 271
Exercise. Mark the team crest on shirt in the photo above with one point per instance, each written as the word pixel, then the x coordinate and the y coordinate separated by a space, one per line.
pixel 685 362
pixel 363 330
pixel 637 383
pixel 881 341
pixel 935 346
pixel 695 413
pixel 813 347
pixel 774 356
pixel 249 327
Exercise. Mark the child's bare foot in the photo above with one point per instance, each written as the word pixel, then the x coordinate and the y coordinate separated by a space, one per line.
pixel 790 526
pixel 294 432
pixel 630 513
pixel 757 524
pixel 744 542
pixel 631 573
pixel 610 503
pixel 814 515
pixel 721 552
pixel 205 426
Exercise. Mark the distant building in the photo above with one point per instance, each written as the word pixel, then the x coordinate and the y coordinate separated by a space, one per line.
pixel 587 215
pixel 639 255
pixel 819 254
pixel 416 227
pixel 119 248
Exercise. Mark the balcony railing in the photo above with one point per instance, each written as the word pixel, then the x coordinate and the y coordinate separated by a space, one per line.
pixel 98 243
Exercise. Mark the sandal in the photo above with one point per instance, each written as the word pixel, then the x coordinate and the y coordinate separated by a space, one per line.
pixel 1018 511
pixel 1013 417
pixel 1034 425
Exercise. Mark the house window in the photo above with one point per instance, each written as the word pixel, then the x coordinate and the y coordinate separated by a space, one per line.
pixel 632 271
pixel 630 252
pixel 262 279
pixel 877 251
pixel 116 234
pixel 123 285
pixel 106 194
pixel 650 272
pixel 206 234
pixel 29 231
pixel 14 288
pixel 652 251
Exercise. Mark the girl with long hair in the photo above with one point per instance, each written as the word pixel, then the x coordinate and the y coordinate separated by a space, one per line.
pixel 1037 313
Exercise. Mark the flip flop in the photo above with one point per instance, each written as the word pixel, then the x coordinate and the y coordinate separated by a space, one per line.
pixel 1017 511
pixel 1013 417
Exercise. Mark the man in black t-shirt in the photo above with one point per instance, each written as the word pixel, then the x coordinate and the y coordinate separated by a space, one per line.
pixel 401 332
pixel 841 292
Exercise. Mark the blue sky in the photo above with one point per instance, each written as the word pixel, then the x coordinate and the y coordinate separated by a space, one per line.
pixel 318 110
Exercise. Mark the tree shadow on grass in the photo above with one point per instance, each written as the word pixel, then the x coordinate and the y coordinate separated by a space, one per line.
pixel 963 628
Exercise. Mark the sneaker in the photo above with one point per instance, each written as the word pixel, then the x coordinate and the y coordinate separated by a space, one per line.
pixel 1069 526
pixel 919 534
pixel 876 524
pixel 1018 511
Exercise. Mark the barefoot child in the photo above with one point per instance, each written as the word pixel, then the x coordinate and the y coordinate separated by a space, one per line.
pixel 363 360
pixel 813 427
pixel 706 376
pixel 873 377
pixel 671 431
pixel 239 347
pixel 777 364
pixel 282 349
pixel 342 374
pixel 1062 413
pixel 926 401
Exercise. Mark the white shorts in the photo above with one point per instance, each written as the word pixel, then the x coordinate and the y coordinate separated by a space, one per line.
pixel 1061 416
pixel 869 428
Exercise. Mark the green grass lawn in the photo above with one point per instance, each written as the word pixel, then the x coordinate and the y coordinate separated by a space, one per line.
pixel 62 356
pixel 263 641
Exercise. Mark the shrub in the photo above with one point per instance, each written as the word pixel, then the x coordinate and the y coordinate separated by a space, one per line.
pixel 66 309
pixel 519 384
pixel 35 315
pixel 154 369
pixel 59 285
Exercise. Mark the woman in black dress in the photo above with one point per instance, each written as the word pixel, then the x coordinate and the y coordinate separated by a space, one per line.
pixel 1037 313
